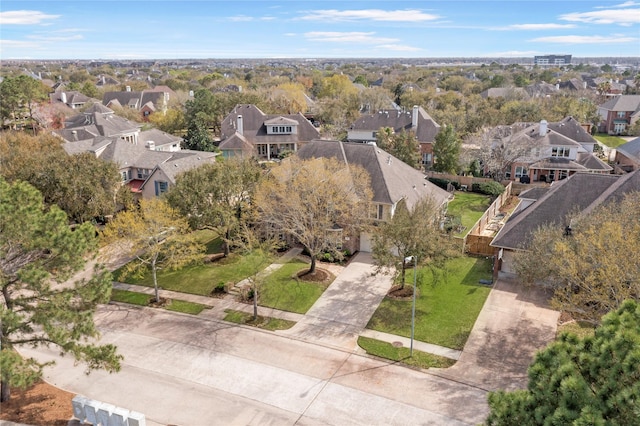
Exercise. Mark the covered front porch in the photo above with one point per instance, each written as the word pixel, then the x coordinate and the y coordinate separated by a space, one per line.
pixel 273 151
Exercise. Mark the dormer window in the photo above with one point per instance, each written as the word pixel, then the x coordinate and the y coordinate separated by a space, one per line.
pixel 281 126
pixel 560 151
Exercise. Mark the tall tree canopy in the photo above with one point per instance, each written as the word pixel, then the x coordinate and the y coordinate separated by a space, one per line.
pixel 445 150
pixel 82 185
pixel 38 254
pixel 216 196
pixel 411 232
pixel 574 381
pixel 596 267
pixel 156 237
pixel 404 145
pixel 312 200
pixel 20 95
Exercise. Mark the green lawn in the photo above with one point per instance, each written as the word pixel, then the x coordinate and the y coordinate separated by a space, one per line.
pixel 281 291
pixel 446 307
pixel 203 278
pixel 580 329
pixel 469 207
pixel 141 299
pixel 388 351
pixel 609 140
pixel 266 323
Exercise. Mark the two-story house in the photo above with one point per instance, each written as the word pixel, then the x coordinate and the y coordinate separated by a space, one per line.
pixel 557 150
pixel 365 129
pixel 618 114
pixel 71 98
pixel 146 102
pixel 628 156
pixel 247 131
pixel 392 181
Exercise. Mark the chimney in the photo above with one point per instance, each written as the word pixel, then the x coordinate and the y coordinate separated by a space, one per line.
pixel 557 86
pixel 240 128
pixel 104 81
pixel 63 97
pixel 543 127
pixel 414 118
pixel 151 145
pixel 128 88
pixel 584 84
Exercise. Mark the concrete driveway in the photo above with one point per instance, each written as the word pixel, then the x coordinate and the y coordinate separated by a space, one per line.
pixel 344 309
pixel 515 322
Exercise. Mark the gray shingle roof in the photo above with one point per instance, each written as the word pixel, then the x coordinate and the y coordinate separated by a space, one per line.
pixel 255 131
pixel 623 103
pixel 571 128
pixel 399 121
pixel 575 194
pixel 134 99
pixel 97 120
pixel 391 179
pixel 631 149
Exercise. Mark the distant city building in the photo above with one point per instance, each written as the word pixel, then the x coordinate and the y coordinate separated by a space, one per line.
pixel 552 60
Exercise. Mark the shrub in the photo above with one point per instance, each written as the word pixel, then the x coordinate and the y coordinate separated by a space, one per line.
pixel 444 183
pixel 488 188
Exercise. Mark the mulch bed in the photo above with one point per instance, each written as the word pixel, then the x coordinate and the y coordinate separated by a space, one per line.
pixel 318 276
pixel 39 405
pixel 401 293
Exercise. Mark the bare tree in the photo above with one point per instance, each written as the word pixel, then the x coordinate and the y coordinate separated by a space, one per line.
pixel 497 150
pixel 311 201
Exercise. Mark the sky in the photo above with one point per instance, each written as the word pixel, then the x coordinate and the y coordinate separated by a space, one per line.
pixel 163 29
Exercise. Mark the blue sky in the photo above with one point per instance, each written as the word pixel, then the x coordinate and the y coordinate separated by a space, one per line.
pixel 145 29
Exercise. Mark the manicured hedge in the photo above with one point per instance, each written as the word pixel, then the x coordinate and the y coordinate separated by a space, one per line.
pixel 489 188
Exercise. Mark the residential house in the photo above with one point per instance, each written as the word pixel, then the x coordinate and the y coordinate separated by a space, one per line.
pixel 618 114
pixel 628 156
pixel 148 160
pixel 98 120
pixel 106 80
pixel 365 129
pixel 247 131
pixel 555 206
pixel 146 102
pixel 555 151
pixel 392 181
pixel 71 98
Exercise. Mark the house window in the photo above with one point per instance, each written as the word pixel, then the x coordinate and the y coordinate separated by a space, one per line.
pixel 262 150
pixel 427 159
pixel 562 174
pixel 124 176
pixel 377 211
pixel 521 171
pixel 143 173
pixel 560 151
pixel 621 114
pixel 161 187
pixel 619 127
pixel 552 175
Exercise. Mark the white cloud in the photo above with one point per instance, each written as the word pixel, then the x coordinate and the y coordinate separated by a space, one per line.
pixel 536 27
pixel 20 44
pixel 625 4
pixel 408 15
pixel 241 18
pixel 348 37
pixel 574 39
pixel 48 38
pixel 24 17
pixel 398 47
pixel 624 17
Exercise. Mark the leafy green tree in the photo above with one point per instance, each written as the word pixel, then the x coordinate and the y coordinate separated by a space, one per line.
pixel 404 146
pixel 198 136
pixel 217 196
pixel 19 95
pixel 596 267
pixel 38 254
pixel 411 232
pixel 590 381
pixel 157 238
pixel 82 185
pixel 89 89
pixel 446 149
pixel 202 113
pixel 315 202
pixel 172 121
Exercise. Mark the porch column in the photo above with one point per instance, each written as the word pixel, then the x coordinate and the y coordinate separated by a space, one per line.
pixel 268 151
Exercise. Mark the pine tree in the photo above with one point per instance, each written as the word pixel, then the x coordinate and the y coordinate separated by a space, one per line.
pixel 39 252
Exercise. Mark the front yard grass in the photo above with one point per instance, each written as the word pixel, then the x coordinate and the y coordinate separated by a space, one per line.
pixel 284 291
pixel 201 278
pixel 609 140
pixel 446 307
pixel 266 323
pixel 388 351
pixel 142 299
pixel 469 207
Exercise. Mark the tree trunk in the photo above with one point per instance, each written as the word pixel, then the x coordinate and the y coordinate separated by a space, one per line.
pixel 403 270
pixel 5 391
pixel 312 268
pixel 255 302
pixel 155 281
pixel 225 244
